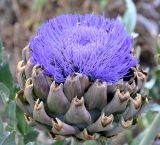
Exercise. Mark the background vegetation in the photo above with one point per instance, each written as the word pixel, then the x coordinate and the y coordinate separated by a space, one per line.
pixel 19 19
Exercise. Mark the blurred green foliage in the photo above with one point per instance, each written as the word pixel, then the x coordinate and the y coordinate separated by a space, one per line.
pixel 4 71
pixel 130 16
pixel 154 84
pixel 13 127
pixel 38 5
pixel 15 131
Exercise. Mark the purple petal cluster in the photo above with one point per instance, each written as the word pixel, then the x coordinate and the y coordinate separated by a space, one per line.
pixel 89 44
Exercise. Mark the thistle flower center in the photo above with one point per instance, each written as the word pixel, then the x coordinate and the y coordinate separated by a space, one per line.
pixel 83 36
pixel 92 45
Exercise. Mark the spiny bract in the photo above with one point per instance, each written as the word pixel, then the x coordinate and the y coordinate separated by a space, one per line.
pixel 79 77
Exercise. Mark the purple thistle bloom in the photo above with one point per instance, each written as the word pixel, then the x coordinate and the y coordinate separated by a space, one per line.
pixel 89 44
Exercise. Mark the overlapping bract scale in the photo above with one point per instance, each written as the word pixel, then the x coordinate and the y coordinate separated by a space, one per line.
pixel 79 107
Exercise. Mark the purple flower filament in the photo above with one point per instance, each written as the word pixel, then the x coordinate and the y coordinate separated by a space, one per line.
pixel 89 44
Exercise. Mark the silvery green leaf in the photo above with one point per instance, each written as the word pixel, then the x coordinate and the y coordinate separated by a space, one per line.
pixel 30 143
pixel 158 40
pixel 1 51
pixel 151 83
pixel 60 143
pixel 7 80
pixel 11 112
pixel 153 107
pixel 20 139
pixel 152 131
pixel 130 16
pixel 90 143
pixel 9 140
pixel 139 137
pixel 30 136
pixel 21 123
pixel 5 71
pixel 4 93
pixel 2 133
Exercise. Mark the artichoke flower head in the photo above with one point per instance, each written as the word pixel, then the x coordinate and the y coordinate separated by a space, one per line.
pixel 79 77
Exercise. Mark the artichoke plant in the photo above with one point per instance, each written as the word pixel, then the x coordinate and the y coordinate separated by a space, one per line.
pixel 79 77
